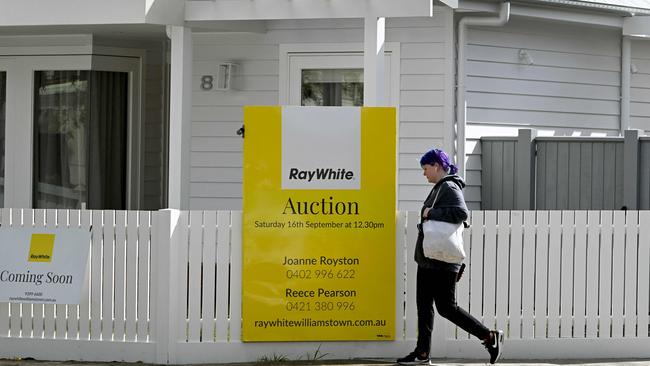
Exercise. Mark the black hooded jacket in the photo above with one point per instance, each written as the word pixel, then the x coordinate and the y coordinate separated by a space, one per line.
pixel 449 207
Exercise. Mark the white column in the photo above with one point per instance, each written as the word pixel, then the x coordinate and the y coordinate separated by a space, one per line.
pixel 180 105
pixel 373 61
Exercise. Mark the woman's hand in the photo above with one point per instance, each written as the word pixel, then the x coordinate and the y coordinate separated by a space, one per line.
pixel 425 213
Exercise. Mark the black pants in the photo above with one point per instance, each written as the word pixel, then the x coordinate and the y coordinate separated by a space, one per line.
pixel 439 286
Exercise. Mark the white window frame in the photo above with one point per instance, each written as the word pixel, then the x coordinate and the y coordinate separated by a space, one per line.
pixel 19 140
pixel 295 57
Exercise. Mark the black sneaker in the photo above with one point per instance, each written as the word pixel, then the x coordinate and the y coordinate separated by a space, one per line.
pixel 494 345
pixel 414 358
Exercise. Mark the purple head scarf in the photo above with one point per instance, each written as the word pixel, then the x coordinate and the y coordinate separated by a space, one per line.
pixel 438 156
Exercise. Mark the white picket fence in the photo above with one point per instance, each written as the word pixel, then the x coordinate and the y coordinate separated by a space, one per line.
pixel 165 287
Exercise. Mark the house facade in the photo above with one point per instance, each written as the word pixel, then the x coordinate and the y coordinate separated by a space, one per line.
pixel 137 104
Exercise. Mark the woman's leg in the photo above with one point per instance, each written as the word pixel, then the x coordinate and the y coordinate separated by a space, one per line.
pixel 445 299
pixel 425 286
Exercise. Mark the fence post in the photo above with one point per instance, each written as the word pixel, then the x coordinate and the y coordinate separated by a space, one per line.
pixel 525 173
pixel 631 169
pixel 164 285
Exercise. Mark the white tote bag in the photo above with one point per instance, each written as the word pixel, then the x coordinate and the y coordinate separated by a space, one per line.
pixel 443 241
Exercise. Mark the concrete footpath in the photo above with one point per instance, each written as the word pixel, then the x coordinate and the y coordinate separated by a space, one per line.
pixel 357 362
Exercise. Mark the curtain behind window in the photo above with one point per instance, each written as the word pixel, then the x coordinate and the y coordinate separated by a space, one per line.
pixel 108 140
pixel 80 120
pixel 3 103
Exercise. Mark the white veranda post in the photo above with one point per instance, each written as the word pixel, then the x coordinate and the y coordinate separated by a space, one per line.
pixel 180 116
pixel 373 61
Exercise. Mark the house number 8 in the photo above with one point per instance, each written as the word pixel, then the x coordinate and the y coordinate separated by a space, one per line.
pixel 206 82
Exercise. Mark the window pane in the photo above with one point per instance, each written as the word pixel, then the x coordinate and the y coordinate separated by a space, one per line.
pixel 332 87
pixel 80 120
pixel 60 141
pixel 3 103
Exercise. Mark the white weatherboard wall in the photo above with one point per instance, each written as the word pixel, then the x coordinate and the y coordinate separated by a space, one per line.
pixel 640 86
pixel 216 156
pixel 572 86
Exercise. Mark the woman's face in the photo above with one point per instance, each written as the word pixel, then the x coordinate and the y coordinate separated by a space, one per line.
pixel 432 172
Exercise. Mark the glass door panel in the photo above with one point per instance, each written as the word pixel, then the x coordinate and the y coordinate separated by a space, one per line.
pixel 332 87
pixel 80 139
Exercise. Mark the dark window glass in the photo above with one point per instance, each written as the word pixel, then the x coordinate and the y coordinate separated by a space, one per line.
pixel 80 139
pixel 332 87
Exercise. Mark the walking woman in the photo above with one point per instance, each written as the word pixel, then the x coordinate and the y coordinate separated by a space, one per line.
pixel 436 280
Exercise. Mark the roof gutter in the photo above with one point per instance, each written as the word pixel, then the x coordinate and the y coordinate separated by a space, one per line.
pixel 461 103
pixel 597 6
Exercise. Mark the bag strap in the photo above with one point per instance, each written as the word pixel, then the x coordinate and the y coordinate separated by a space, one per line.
pixel 435 198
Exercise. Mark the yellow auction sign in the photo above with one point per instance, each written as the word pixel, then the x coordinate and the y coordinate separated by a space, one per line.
pixel 319 224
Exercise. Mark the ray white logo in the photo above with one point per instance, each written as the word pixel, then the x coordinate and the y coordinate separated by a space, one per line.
pixel 320 174
pixel 321 147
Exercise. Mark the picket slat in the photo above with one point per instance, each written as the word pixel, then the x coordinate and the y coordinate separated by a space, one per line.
pixel 27 310
pixel 475 270
pixel 580 270
pixel 235 276
pixel 107 275
pixel 194 264
pixel 15 322
pixel 96 275
pixel 400 267
pixel 489 270
pixel 643 300
pixel 144 234
pixel 223 264
pixel 502 269
pixel 566 281
pixel 120 274
pixel 209 284
pixel 183 259
pixel 48 311
pixel 528 277
pixel 618 276
pixel 631 275
pixel 605 276
pixel 131 275
pixel 554 280
pixel 38 323
pixel 593 273
pixel 515 273
pixel 462 288
pixel 73 309
pixel 541 272
pixel 84 306
pixel 61 309
pixel 411 268
pixel 4 306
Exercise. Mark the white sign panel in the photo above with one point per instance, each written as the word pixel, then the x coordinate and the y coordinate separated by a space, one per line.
pixel 43 265
pixel 321 147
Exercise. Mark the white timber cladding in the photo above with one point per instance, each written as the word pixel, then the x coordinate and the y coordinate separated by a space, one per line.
pixel 640 87
pixel 216 149
pixel 558 78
